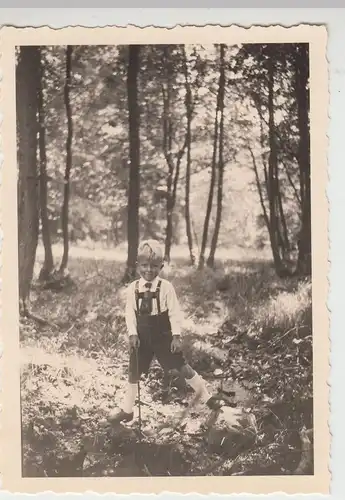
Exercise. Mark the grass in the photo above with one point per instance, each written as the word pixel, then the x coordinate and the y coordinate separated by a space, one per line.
pixel 239 319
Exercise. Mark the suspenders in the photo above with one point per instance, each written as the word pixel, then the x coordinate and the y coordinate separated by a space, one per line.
pixel 155 294
pixel 158 289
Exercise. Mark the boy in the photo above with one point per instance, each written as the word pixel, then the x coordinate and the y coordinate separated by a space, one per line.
pixel 153 319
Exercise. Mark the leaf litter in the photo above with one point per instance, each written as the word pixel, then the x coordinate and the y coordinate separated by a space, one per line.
pixel 72 378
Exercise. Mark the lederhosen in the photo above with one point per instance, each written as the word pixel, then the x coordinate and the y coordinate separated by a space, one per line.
pixel 154 332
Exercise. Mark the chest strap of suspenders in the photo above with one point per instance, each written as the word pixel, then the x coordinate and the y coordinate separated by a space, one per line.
pixel 158 289
pixel 156 295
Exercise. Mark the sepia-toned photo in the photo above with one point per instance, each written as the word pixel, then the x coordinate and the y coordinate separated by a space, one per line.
pixel 164 213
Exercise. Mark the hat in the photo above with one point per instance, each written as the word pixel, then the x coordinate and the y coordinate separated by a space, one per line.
pixel 151 250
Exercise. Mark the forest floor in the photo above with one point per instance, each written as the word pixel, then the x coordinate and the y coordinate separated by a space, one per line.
pixel 244 328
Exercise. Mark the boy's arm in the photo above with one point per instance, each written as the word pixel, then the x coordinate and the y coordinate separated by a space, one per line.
pixel 131 319
pixel 174 310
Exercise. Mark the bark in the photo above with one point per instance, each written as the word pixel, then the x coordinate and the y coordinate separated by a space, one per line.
pixel 292 184
pixel 210 260
pixel 302 94
pixel 69 139
pixel 259 188
pixel 134 155
pixel 27 86
pixel 285 232
pixel 280 240
pixel 212 184
pixel 48 264
pixel 189 112
pixel 173 161
pixel 263 206
pixel 272 173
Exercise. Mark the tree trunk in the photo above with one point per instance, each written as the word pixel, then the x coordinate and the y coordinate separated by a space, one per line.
pixel 134 156
pixel 173 163
pixel 285 232
pixel 188 102
pixel 292 184
pixel 27 85
pixel 48 264
pixel 66 196
pixel 171 200
pixel 302 94
pixel 272 172
pixel 210 260
pixel 167 150
pixel 259 188
pixel 212 183
pixel 169 228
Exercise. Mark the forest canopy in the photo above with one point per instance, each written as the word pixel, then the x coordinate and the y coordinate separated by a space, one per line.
pixel 202 146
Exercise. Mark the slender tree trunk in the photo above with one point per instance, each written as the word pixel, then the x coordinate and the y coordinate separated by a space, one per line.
pixel 66 194
pixel 48 264
pixel 167 149
pixel 171 200
pixel 285 232
pixel 261 197
pixel 292 184
pixel 188 102
pixel 173 163
pixel 272 172
pixel 134 154
pixel 27 86
pixel 210 260
pixel 302 93
pixel 168 156
pixel 212 183
pixel 169 227
pixel 187 197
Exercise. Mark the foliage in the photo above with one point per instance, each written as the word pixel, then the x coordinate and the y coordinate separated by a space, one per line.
pixel 100 149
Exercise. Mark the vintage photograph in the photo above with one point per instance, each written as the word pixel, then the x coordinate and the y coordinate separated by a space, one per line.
pixel 167 275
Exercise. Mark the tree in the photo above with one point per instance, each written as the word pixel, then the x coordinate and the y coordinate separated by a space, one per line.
pixel 302 95
pixel 273 190
pixel 169 133
pixel 269 74
pixel 27 85
pixel 177 99
pixel 212 180
pixel 189 113
pixel 48 263
pixel 134 156
pixel 69 139
pixel 210 260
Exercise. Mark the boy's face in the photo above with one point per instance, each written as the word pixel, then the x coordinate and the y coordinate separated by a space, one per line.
pixel 149 268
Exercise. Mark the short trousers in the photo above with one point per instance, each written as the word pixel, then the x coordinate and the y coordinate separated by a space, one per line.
pixel 156 345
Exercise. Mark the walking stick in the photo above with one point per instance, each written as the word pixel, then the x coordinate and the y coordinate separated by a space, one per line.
pixel 139 401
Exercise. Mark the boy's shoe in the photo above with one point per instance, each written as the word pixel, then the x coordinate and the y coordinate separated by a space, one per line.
pixel 120 416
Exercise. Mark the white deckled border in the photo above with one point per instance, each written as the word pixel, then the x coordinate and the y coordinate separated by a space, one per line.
pixel 317 38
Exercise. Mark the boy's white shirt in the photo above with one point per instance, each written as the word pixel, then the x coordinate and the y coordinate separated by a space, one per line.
pixel 167 299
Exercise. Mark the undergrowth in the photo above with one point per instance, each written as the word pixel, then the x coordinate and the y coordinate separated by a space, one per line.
pixel 244 329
